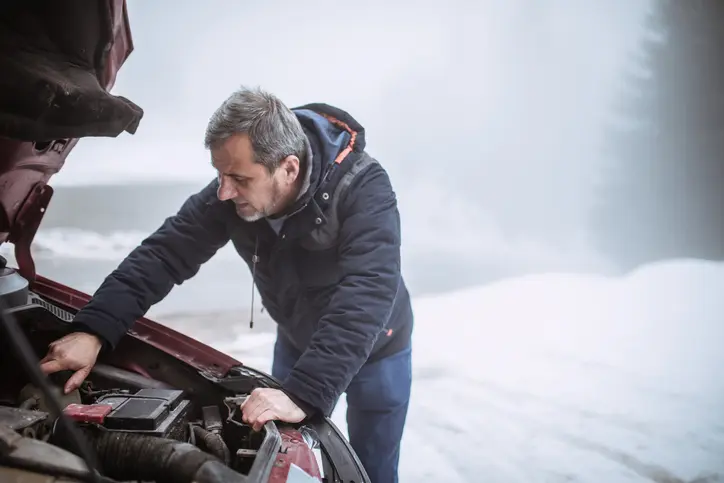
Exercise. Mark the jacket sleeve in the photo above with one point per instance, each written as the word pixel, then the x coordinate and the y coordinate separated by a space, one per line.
pixel 172 254
pixel 369 254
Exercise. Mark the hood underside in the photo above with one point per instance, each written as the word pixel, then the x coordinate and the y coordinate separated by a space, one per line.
pixel 58 62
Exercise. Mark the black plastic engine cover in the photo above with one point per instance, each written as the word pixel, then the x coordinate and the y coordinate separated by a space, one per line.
pixel 159 412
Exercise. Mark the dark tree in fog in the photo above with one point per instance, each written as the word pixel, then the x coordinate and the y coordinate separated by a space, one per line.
pixel 663 193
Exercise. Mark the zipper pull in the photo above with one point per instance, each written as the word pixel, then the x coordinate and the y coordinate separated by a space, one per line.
pixel 254 261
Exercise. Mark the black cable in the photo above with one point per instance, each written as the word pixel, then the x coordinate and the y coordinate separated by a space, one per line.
pixel 28 359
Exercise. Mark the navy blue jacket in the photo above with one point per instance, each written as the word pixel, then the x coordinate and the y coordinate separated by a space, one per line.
pixel 331 278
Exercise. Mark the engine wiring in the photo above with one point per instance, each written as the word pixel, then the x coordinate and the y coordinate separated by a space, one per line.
pixel 31 364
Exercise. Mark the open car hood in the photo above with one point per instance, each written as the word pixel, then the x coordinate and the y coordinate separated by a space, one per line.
pixel 58 62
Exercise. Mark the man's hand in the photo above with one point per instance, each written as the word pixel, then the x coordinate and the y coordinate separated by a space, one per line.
pixel 264 405
pixel 76 352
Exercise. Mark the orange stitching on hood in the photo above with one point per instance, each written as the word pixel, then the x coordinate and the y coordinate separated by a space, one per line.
pixel 343 154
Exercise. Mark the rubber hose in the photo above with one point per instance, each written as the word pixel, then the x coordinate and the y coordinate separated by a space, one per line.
pixel 128 456
pixel 213 443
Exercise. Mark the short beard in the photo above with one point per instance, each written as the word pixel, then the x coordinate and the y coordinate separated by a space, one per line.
pixel 252 218
pixel 269 210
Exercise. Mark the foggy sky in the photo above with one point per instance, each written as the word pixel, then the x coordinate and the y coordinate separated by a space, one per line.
pixel 488 115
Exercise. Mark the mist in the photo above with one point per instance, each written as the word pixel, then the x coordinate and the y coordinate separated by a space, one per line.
pixel 488 115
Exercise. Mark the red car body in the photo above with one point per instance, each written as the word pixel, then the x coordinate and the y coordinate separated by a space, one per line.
pixel 44 110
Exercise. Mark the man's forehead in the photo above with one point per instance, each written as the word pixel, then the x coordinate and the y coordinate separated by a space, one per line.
pixel 234 154
pixel 232 167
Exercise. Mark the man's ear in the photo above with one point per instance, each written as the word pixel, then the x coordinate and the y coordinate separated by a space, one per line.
pixel 290 168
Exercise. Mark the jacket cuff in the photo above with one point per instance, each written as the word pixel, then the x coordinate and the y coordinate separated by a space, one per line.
pixel 308 409
pixel 308 402
pixel 94 329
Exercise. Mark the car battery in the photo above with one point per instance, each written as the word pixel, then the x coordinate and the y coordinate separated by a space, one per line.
pixel 156 412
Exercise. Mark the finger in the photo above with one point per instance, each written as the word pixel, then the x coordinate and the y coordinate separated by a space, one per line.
pixel 77 379
pixel 51 366
pixel 254 406
pixel 262 419
pixel 48 357
pixel 257 410
pixel 244 406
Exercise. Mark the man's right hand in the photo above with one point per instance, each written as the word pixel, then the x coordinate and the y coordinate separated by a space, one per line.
pixel 77 352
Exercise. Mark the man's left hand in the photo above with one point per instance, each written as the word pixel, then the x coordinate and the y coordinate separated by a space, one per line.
pixel 264 405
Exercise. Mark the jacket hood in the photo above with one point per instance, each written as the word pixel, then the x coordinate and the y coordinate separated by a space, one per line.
pixel 334 128
pixel 332 135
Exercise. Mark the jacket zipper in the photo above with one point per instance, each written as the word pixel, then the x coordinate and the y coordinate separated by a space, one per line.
pixel 254 261
pixel 255 258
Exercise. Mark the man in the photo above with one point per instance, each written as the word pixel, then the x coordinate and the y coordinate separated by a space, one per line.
pixel 316 220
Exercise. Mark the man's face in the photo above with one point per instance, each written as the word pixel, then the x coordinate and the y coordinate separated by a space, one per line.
pixel 255 192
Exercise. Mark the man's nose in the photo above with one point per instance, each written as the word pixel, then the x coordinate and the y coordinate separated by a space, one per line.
pixel 226 191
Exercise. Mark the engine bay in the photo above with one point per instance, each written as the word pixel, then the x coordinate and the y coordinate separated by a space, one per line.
pixel 163 422
pixel 150 434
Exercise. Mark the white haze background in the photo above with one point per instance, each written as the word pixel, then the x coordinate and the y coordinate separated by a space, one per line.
pixel 489 117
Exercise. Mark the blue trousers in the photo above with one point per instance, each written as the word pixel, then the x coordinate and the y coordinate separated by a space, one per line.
pixel 377 401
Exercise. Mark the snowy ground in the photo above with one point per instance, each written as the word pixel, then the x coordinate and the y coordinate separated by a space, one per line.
pixel 564 378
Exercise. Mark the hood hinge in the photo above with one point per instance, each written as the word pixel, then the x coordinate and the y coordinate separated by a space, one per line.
pixel 26 226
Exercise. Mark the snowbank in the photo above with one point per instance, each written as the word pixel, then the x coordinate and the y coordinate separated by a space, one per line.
pixel 571 378
pixel 563 377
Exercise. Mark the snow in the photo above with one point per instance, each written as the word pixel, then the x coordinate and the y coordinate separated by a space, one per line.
pixel 565 378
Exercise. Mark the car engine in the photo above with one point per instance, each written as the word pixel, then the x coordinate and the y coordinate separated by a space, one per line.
pixel 138 428
pixel 147 434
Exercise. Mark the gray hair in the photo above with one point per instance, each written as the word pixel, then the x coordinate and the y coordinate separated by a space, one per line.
pixel 273 129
